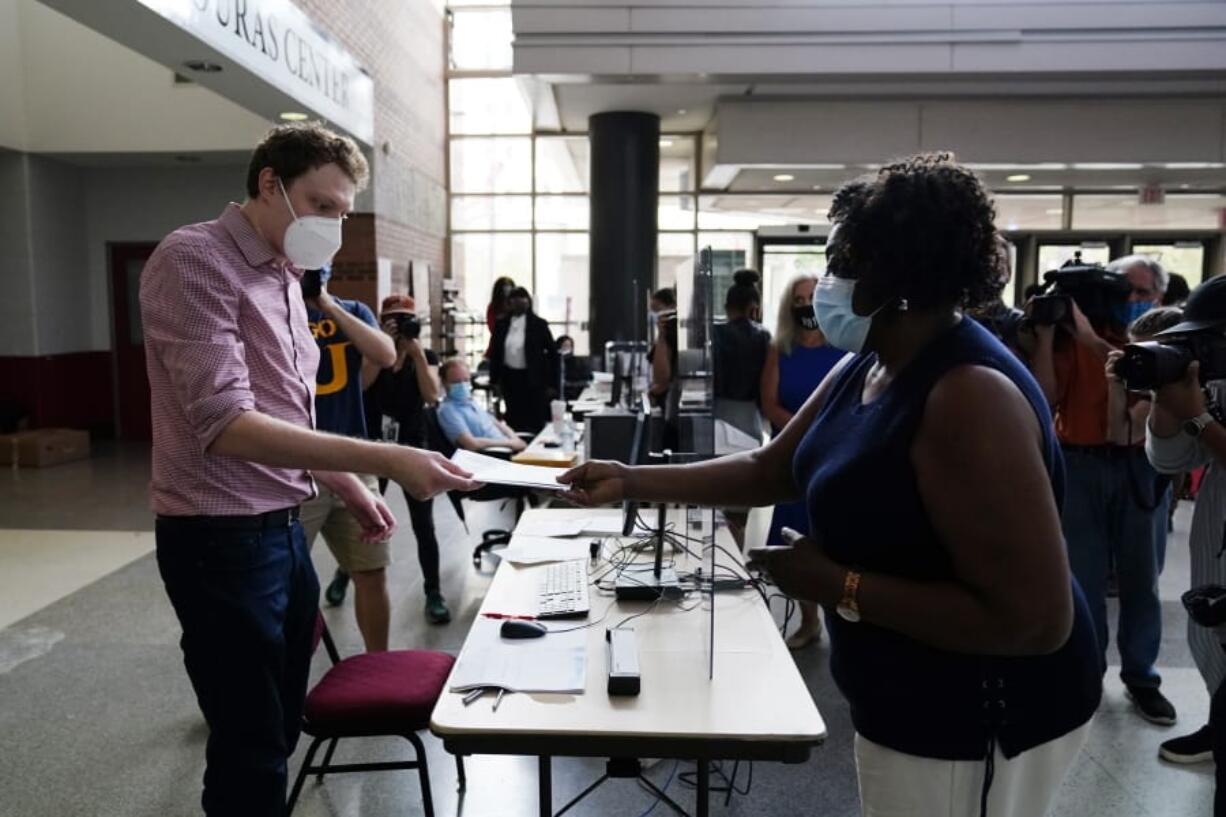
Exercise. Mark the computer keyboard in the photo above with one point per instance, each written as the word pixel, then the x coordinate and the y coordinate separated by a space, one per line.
pixel 563 590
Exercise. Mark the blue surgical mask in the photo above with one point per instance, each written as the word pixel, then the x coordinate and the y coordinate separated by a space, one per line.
pixel 832 299
pixel 1128 312
pixel 460 392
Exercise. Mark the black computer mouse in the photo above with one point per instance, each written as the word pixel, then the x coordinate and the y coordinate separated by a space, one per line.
pixel 514 628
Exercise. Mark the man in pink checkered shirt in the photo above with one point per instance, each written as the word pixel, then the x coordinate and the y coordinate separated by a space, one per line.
pixel 232 378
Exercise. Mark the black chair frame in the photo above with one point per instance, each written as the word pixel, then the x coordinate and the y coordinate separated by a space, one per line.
pixel 327 767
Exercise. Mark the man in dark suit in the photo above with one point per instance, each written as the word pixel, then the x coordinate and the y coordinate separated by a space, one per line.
pixel 524 364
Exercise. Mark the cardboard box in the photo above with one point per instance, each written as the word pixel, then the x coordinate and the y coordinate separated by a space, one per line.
pixel 44 447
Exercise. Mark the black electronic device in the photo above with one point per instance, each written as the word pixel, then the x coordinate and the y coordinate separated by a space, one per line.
pixel 1098 292
pixel 311 284
pixel 1152 365
pixel 615 399
pixel 514 628
pixel 623 655
pixel 408 326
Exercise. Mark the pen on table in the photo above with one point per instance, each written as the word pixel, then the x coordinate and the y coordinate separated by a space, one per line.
pixel 474 695
pixel 508 616
pixel 498 700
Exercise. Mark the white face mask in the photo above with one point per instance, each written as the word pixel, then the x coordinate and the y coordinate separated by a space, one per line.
pixel 832 299
pixel 310 241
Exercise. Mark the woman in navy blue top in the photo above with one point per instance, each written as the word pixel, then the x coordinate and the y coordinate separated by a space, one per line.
pixel 934 482
pixel 796 364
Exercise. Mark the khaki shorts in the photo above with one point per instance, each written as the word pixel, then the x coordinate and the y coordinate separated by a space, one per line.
pixel 328 515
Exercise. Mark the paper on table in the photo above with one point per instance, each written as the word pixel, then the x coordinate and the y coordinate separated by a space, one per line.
pixel 548 525
pixel 500 472
pixel 603 525
pixel 602 377
pixel 531 550
pixel 554 663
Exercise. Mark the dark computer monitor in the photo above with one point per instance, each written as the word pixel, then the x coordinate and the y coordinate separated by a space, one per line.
pixel 639 448
pixel 616 398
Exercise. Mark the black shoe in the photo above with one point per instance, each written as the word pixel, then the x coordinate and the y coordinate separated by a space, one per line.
pixel 1194 748
pixel 335 594
pixel 436 609
pixel 1152 705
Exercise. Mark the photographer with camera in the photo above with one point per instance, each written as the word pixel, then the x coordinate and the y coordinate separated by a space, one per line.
pixel 1186 370
pixel 348 340
pixel 1077 323
pixel 403 392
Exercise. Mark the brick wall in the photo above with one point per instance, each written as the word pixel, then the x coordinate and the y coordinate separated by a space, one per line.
pixel 401 44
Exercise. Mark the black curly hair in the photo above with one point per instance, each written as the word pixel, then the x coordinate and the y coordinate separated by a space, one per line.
pixel 923 229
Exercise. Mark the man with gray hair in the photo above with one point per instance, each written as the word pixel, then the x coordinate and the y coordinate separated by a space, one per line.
pixel 1114 508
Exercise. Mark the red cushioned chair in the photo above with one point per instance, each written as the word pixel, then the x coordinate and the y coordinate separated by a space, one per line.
pixel 378 694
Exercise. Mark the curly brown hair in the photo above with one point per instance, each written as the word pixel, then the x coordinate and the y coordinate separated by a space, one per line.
pixel 923 229
pixel 292 150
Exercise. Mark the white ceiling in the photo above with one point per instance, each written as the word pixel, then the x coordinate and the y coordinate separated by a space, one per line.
pixel 70 90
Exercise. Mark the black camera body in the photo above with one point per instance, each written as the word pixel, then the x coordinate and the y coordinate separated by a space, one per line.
pixel 312 284
pixel 408 327
pixel 1097 291
pixel 1149 366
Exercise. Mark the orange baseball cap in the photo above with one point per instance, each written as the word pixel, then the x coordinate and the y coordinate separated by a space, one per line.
pixel 399 304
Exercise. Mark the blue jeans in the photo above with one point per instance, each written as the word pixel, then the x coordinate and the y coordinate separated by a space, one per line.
pixel 1104 517
pixel 247 602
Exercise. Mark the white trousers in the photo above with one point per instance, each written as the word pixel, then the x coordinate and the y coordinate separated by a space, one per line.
pixel 893 784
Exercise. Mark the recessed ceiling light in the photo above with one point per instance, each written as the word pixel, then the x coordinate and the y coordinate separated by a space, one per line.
pixel 1185 186
pixel 1018 177
pixel 1107 166
pixel 682 111
pixel 1193 165
pixel 202 66
pixel 293 116
pixel 666 143
pixel 785 177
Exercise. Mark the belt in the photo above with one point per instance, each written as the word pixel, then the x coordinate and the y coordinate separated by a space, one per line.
pixel 261 521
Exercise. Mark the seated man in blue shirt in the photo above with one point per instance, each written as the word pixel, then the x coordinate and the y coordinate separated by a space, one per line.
pixel 466 424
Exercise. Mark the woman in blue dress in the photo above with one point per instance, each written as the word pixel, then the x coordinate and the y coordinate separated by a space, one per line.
pixel 934 481
pixel 798 361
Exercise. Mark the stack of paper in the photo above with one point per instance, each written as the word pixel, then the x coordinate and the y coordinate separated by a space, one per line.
pixel 553 663
pixel 494 471
pixel 533 550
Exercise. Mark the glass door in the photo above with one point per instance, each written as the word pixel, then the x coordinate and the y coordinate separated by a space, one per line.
pixel 779 261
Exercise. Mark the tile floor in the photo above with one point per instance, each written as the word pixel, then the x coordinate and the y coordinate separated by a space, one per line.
pixel 97 716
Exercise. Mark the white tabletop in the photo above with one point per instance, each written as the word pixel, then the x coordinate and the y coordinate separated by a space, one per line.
pixel 757 694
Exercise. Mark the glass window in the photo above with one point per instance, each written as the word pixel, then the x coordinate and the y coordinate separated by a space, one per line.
pixel 676 213
pixel 497 165
pixel 1029 212
pixel 1184 257
pixel 479 258
pixel 491 212
pixel 562 164
pixel 490 105
pixel 481 39
pixel 1054 256
pixel 729 253
pixel 1191 211
pixel 676 164
pixel 675 258
pixel 562 212
pixel 561 288
pixel 731 212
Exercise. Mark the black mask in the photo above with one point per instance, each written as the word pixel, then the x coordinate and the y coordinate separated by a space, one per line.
pixel 805 317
